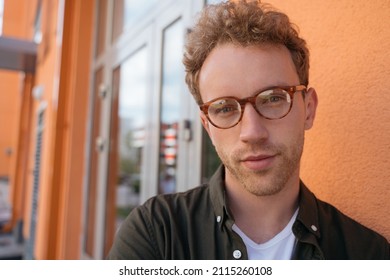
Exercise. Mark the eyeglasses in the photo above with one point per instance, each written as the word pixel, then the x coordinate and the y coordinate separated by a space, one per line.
pixel 274 103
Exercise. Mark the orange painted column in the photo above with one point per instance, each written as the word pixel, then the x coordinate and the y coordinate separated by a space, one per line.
pixel 71 132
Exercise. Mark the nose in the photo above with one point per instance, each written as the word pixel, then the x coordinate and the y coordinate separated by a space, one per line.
pixel 252 126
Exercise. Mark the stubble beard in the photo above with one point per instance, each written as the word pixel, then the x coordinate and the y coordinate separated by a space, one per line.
pixel 269 181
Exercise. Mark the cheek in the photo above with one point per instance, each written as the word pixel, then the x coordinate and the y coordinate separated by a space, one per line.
pixel 295 121
pixel 223 138
pixel 293 137
pixel 287 132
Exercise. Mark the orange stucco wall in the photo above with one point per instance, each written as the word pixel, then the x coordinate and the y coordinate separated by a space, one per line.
pixel 11 84
pixel 346 158
pixel 10 87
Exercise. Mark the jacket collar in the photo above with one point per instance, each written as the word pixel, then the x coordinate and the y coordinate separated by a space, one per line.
pixel 218 197
pixel 307 215
pixel 308 210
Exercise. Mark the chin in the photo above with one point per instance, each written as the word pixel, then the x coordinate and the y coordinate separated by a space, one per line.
pixel 264 187
pixel 260 183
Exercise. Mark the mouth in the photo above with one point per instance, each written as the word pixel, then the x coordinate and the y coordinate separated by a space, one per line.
pixel 259 162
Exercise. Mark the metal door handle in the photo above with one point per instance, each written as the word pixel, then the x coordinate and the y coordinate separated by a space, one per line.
pixel 100 144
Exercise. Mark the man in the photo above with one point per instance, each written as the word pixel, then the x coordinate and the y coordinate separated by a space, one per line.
pixel 247 68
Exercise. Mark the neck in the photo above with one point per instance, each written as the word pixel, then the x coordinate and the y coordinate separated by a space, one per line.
pixel 262 217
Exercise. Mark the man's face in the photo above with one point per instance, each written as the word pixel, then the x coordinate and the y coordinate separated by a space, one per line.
pixel 260 155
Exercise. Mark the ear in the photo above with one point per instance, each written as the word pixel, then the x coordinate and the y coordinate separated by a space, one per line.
pixel 206 124
pixel 311 102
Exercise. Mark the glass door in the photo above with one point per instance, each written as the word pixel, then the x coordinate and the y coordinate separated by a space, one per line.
pixel 171 105
pixel 147 125
pixel 127 140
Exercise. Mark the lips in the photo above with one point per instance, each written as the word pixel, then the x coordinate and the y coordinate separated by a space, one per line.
pixel 258 162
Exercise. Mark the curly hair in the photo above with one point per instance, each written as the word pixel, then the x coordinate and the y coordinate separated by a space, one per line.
pixel 243 23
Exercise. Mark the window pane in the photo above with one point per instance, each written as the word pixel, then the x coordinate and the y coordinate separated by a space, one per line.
pixel 113 165
pixel 117 25
pixel 92 179
pixel 128 12
pixel 208 2
pixel 101 27
pixel 172 80
pixel 127 138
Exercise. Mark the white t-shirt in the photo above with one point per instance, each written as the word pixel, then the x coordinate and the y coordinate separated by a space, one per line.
pixel 280 247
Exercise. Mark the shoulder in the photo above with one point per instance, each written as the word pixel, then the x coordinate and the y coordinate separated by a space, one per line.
pixel 176 201
pixel 350 236
pixel 329 213
pixel 172 210
pixel 148 228
pixel 338 235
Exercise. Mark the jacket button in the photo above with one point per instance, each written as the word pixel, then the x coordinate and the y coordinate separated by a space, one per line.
pixel 313 227
pixel 237 254
pixel 219 219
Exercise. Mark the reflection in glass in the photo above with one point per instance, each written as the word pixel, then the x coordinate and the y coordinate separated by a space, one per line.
pixel 101 27
pixel 128 134
pixel 128 12
pixel 172 79
pixel 93 169
pixel 208 2
pixel 113 155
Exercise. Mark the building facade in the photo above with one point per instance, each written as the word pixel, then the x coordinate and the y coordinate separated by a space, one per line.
pixel 97 117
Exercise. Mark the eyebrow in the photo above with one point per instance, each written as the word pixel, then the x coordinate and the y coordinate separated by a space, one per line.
pixel 272 87
pixel 256 92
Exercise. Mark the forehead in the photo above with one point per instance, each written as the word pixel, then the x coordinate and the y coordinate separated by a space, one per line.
pixel 242 71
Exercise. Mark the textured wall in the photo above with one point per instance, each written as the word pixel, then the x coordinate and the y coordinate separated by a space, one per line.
pixel 9 105
pixel 346 159
pixel 10 88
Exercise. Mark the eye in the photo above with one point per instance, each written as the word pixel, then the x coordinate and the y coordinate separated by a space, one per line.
pixel 275 98
pixel 224 107
pixel 272 97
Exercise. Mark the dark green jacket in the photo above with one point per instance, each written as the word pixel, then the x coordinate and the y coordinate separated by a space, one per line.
pixel 197 225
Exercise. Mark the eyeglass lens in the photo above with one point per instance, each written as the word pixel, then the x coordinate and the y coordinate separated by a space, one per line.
pixel 271 104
